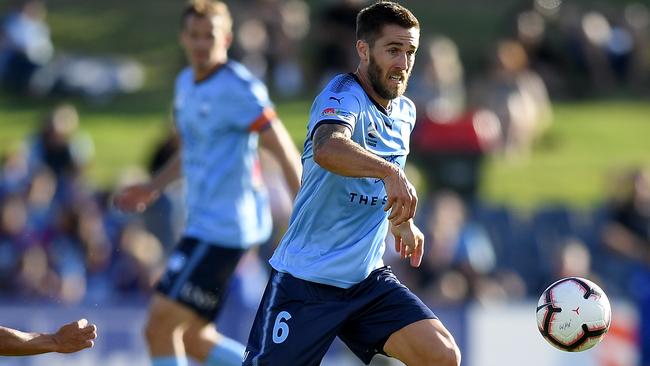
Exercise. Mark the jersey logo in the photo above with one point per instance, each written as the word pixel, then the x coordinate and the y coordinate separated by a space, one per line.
pixel 372 132
pixel 176 261
pixel 371 139
pixel 337 99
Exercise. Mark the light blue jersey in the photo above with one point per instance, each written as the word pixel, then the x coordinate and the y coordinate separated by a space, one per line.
pixel 218 119
pixel 338 226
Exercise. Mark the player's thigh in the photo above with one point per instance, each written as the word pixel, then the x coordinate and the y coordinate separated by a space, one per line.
pixel 294 325
pixel 385 306
pixel 425 342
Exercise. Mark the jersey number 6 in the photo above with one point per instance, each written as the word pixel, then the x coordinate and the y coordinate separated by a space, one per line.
pixel 281 328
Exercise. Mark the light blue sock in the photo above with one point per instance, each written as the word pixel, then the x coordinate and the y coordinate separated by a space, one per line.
pixel 168 361
pixel 228 352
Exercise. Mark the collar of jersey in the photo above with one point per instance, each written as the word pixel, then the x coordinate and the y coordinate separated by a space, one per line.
pixel 212 73
pixel 379 106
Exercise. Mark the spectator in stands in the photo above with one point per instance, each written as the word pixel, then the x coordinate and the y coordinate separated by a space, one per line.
pixel 637 21
pixel 439 89
pixel 517 95
pixel 26 252
pixel 460 263
pixel 14 239
pixel 25 44
pixel 29 63
pixel 53 145
pixel 41 204
pixel 63 148
pixel 14 170
pixel 64 255
pixel 449 141
pixel 334 38
pixel 627 234
pixel 573 259
pixel 268 33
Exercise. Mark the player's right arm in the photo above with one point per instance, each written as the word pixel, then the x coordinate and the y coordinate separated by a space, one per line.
pixel 137 198
pixel 335 151
pixel 71 337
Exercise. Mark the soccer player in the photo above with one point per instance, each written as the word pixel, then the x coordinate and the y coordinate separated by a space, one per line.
pixel 71 337
pixel 221 112
pixel 328 278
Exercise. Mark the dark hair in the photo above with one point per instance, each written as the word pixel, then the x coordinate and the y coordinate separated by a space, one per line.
pixel 372 19
pixel 207 8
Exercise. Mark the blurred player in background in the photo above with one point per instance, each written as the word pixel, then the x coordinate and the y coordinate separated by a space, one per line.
pixel 329 279
pixel 71 337
pixel 221 111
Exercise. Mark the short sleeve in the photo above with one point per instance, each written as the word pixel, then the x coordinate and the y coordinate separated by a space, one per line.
pixel 334 108
pixel 247 106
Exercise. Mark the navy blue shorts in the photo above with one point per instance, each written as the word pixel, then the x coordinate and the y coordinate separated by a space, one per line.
pixel 198 274
pixel 298 320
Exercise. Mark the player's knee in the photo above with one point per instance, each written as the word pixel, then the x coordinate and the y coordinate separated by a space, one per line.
pixel 452 355
pixel 191 338
pixel 447 355
pixel 159 323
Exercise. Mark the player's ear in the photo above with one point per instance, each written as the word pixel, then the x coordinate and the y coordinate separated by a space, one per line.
pixel 228 39
pixel 363 49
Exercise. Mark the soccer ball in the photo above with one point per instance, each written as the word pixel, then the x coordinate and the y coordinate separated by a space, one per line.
pixel 573 314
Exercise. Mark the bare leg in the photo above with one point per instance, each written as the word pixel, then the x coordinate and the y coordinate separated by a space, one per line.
pixel 424 343
pixel 165 327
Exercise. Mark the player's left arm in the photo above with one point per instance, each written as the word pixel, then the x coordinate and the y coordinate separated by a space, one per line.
pixel 275 138
pixel 409 241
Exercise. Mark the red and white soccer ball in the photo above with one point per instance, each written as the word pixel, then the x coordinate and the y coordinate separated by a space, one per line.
pixel 573 314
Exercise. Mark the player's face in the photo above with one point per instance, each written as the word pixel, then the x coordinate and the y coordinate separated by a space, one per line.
pixel 205 41
pixel 391 59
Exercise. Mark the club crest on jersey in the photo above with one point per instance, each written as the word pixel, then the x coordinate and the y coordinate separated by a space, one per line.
pixel 204 109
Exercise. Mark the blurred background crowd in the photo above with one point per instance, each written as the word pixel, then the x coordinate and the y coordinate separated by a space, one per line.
pixel 62 242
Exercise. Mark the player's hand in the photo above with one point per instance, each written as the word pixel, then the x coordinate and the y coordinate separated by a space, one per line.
pixel 402 198
pixel 135 198
pixel 75 336
pixel 409 242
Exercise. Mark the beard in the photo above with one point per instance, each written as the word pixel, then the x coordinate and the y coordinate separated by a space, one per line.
pixel 378 81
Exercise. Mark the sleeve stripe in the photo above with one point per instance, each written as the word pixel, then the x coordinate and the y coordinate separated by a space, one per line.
pixel 263 120
pixel 328 122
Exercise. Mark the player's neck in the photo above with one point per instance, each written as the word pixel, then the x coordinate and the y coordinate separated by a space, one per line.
pixel 203 74
pixel 367 86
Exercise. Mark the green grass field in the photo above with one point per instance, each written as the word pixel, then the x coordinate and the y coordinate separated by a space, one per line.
pixel 585 146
